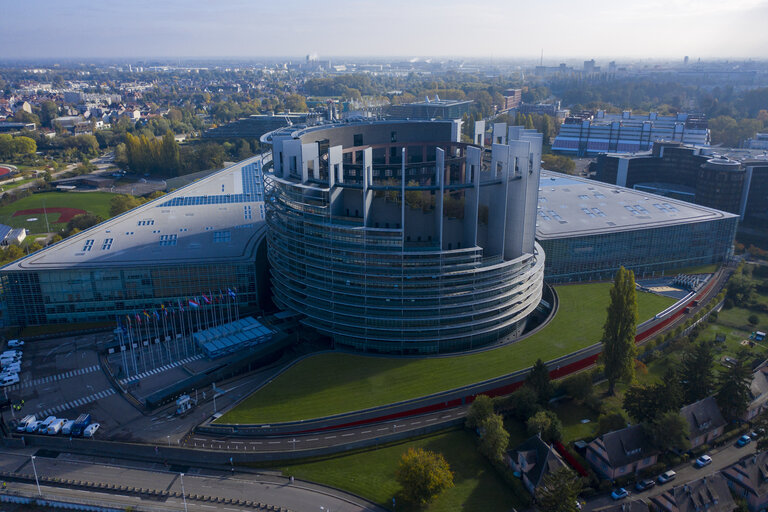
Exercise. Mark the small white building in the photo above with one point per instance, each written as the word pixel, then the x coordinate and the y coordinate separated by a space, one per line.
pixel 9 235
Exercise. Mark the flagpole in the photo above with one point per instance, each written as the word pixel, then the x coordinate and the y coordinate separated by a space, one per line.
pixel 133 351
pixel 149 339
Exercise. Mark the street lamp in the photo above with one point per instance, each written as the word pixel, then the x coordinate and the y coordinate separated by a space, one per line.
pixel 169 439
pixel 36 479
pixel 183 495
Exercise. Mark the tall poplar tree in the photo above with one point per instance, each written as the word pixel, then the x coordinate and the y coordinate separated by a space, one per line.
pixel 619 330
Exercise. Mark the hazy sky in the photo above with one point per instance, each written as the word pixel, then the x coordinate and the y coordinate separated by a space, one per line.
pixel 409 28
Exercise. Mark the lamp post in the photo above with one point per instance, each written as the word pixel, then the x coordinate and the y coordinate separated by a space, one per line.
pixel 36 479
pixel 183 494
pixel 169 439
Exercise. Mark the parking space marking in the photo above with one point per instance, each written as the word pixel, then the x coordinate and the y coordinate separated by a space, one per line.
pixel 53 378
pixel 78 402
pixel 155 371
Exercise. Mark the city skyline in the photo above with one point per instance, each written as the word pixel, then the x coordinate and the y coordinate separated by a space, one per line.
pixel 493 29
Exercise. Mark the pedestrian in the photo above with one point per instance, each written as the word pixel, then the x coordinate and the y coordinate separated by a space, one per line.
pixel 291 477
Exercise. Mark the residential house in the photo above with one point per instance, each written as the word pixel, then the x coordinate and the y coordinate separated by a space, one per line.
pixel 534 459
pixel 749 478
pixel 709 493
pixel 705 422
pixel 621 452
pixel 758 390
pixel 9 235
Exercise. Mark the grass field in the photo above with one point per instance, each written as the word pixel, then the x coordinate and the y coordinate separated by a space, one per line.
pixel 371 474
pixel 94 202
pixel 335 383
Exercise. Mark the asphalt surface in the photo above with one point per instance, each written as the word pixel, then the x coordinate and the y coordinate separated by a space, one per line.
pixel 268 488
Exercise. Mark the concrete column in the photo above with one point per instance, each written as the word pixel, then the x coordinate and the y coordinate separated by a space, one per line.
pixel 480 133
pixel 472 197
pixel 621 172
pixel 335 176
pixel 439 181
pixel 499 133
pixel 309 153
pixel 497 209
pixel 367 183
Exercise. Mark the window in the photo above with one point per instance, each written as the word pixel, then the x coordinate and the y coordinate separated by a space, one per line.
pixel 222 236
pixel 247 212
pixel 166 240
pixel 358 139
pixel 88 245
pixel 392 136
pixel 107 245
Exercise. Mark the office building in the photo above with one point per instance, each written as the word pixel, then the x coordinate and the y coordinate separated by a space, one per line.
pixel 395 237
pixel 591 134
pixel 431 109
pixel 732 180
pixel 589 229
pixel 204 238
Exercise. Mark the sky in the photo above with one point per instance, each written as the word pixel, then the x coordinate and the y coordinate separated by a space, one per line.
pixel 378 28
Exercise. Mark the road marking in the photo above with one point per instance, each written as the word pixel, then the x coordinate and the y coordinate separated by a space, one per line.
pixel 380 429
pixel 61 376
pixel 416 423
pixel 273 442
pixel 313 439
pixel 365 432
pixel 330 437
pixel 346 435
pixel 78 402
pixel 155 371
pixel 431 419
pixel 255 442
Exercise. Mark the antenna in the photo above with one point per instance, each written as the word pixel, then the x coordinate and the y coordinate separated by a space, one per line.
pixel 541 61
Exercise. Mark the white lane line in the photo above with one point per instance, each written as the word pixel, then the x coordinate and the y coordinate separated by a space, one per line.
pixel 416 423
pixel 431 419
pixel 365 432
pixel 329 437
pixel 346 435
pixel 313 439
pixel 380 429
pixel 273 442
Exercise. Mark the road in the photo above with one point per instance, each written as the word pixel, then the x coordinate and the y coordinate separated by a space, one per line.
pixel 269 488
pixel 722 457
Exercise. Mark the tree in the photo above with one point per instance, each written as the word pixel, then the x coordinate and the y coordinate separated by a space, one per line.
pixel 646 403
pixel 733 388
pixel 579 386
pixel 753 319
pixel 740 289
pixel 81 222
pixel 669 431
pixel 619 330
pixel 296 103
pixel 558 163
pixel 611 421
pixel 24 146
pixel 494 438
pixel 696 372
pixel 122 203
pixel 481 408
pixel 546 424
pixel 522 404
pixel 559 491
pixel 423 475
pixel 538 380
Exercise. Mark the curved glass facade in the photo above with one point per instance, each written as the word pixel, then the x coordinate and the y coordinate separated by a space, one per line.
pixel 425 264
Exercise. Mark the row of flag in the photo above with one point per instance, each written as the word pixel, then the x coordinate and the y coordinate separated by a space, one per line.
pixel 192 304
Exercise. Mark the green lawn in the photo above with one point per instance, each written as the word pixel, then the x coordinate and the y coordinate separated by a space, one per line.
pixel 371 474
pixel 94 202
pixel 700 269
pixel 5 187
pixel 572 414
pixel 335 383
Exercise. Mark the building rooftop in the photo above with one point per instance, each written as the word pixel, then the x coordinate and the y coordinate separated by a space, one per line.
pixel 571 206
pixel 217 219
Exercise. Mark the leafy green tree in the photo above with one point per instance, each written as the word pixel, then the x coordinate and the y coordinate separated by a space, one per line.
pixel 669 431
pixel 423 475
pixel 619 330
pixel 559 491
pixel 558 163
pixel 546 424
pixel 611 421
pixel 740 289
pixel 697 373
pixel 122 203
pixel 494 438
pixel 538 380
pixel 522 404
pixel 24 146
pixel 296 103
pixel 733 388
pixel 481 408
pixel 579 386
pixel 646 403
pixel 81 222
pixel 753 319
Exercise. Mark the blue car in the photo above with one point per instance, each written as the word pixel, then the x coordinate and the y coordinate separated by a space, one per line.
pixel 619 494
pixel 743 441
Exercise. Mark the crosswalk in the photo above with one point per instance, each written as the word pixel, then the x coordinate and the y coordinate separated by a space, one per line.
pixel 53 378
pixel 76 403
pixel 154 371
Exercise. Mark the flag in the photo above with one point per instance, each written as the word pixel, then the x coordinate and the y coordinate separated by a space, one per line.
pixel 138 319
pixel 157 317
pixel 206 299
pixel 231 293
pixel 193 303
pixel 181 308
pixel 146 314
pixel 128 318
pixel 165 311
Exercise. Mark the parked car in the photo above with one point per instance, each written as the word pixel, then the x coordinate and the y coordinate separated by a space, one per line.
pixel 9 380
pixel 43 427
pixel 755 434
pixel 15 343
pixel 91 429
pixel 644 485
pixel 619 494
pixel 743 441
pixel 666 476
pixel 32 426
pixel 704 460
pixel 67 428
pixel 24 422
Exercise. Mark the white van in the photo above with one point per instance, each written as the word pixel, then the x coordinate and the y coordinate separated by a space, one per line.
pixel 55 427
pixel 15 343
pixel 24 423
pixel 32 427
pixel 45 423
pixel 66 429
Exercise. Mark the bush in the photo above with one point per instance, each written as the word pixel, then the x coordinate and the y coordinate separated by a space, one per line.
pixel 753 320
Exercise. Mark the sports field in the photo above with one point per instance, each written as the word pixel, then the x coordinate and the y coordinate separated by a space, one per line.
pixel 335 383
pixel 58 207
